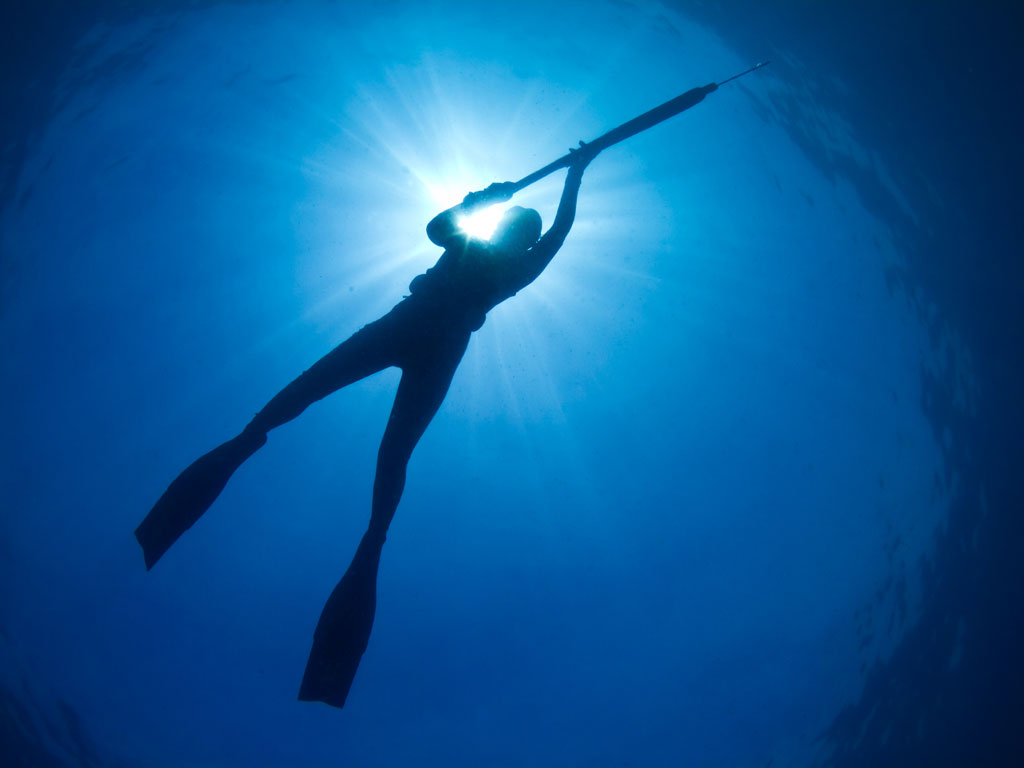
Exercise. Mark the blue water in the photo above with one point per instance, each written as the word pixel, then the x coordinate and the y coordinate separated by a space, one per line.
pixel 732 484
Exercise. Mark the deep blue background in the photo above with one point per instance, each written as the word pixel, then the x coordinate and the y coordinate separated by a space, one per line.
pixel 735 481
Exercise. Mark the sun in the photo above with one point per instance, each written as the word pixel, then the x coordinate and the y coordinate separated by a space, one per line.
pixel 481 224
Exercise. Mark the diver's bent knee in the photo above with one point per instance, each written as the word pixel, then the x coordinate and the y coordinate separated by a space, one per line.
pixel 257 427
pixel 393 458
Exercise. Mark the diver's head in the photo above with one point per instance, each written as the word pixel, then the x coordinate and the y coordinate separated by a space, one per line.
pixel 518 229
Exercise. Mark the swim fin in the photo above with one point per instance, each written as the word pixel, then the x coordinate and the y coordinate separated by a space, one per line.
pixel 192 493
pixel 344 628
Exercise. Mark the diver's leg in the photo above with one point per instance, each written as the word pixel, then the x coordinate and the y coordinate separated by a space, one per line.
pixel 194 490
pixel 344 628
pixel 368 351
pixel 420 394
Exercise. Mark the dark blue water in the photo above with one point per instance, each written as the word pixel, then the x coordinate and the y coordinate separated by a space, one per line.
pixel 732 484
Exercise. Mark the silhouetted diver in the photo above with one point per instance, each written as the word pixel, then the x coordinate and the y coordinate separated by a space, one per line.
pixel 425 335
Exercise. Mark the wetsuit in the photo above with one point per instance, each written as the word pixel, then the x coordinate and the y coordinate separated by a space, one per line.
pixel 425 335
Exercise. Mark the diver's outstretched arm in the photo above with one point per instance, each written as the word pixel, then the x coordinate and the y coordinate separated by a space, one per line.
pixel 539 256
pixel 443 227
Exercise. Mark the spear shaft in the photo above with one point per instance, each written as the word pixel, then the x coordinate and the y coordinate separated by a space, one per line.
pixel 648 119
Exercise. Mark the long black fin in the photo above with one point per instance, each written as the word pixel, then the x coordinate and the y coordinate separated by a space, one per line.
pixel 344 629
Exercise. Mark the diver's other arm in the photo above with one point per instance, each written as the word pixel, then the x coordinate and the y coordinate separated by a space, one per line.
pixel 540 255
pixel 444 226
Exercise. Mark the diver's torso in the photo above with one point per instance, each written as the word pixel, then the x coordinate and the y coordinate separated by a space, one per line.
pixel 467 282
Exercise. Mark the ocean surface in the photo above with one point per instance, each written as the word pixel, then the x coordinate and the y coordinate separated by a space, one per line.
pixel 735 482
